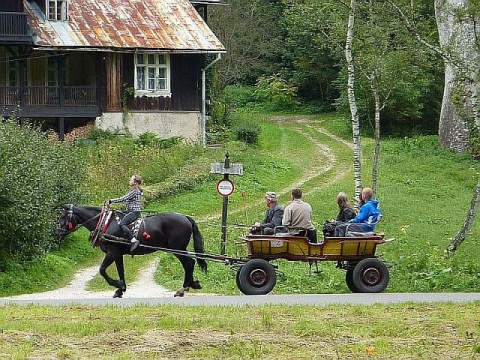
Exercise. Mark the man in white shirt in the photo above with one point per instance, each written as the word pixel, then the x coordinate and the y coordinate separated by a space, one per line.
pixel 297 217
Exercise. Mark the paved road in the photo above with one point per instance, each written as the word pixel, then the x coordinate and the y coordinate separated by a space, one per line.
pixel 217 300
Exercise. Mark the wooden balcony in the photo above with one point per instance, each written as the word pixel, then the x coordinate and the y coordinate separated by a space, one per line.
pixel 14 28
pixel 49 101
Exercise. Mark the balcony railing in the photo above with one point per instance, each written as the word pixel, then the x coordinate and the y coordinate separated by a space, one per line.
pixel 48 96
pixel 14 27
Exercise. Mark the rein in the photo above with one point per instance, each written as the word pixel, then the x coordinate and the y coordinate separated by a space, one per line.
pixel 71 220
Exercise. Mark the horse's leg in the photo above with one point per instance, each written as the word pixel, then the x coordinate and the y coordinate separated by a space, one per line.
pixel 107 261
pixel 121 276
pixel 188 265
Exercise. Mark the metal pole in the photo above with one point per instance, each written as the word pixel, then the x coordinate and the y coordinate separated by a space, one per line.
pixel 224 222
pixel 226 166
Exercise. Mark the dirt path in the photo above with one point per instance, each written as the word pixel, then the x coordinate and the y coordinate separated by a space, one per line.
pixel 145 286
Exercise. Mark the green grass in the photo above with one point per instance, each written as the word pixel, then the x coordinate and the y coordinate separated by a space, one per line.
pixel 406 331
pixel 424 192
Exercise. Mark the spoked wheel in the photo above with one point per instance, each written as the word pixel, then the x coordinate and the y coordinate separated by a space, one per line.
pixel 256 277
pixel 370 276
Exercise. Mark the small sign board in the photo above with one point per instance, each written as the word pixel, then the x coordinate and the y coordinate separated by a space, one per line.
pixel 219 168
pixel 225 187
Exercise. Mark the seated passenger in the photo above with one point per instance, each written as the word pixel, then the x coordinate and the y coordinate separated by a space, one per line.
pixel 298 217
pixel 367 217
pixel 346 212
pixel 273 216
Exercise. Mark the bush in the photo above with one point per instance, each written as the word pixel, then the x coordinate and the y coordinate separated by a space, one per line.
pixel 36 177
pixel 239 96
pixel 248 133
pixel 277 92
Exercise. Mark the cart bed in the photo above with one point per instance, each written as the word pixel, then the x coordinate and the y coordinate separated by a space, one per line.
pixel 299 248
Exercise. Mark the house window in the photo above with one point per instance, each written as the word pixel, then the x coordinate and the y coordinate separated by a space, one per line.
pixel 13 73
pixel 57 10
pixel 52 72
pixel 152 74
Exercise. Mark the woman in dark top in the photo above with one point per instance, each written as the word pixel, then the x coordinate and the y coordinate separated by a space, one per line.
pixel 346 210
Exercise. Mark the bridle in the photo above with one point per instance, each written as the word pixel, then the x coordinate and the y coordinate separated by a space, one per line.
pixel 71 220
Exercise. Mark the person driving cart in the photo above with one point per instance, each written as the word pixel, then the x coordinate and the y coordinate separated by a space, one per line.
pixel 273 216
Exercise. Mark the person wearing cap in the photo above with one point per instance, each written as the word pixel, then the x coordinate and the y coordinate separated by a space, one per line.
pixel 273 216
pixel 297 217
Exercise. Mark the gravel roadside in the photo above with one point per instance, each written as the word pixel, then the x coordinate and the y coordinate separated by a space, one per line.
pixel 144 287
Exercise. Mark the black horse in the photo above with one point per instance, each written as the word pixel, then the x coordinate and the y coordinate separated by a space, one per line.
pixel 163 230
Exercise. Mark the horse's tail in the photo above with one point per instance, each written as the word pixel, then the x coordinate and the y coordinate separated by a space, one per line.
pixel 198 243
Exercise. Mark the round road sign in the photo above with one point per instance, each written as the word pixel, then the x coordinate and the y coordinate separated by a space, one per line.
pixel 225 187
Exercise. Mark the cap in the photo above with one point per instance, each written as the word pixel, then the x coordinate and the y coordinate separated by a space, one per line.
pixel 270 195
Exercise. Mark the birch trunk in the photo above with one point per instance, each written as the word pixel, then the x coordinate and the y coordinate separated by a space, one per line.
pixel 376 154
pixel 467 224
pixel 357 173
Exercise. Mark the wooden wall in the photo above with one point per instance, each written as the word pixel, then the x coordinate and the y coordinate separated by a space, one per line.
pixel 11 5
pixel 186 78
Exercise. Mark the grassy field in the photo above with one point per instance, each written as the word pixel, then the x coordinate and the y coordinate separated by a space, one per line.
pixel 408 331
pixel 424 193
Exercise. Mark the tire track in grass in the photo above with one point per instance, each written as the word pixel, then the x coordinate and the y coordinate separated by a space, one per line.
pixel 313 173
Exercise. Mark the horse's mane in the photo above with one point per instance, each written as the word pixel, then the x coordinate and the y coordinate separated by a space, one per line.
pixel 89 207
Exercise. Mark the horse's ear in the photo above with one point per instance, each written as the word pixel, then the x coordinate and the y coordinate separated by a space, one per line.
pixel 66 206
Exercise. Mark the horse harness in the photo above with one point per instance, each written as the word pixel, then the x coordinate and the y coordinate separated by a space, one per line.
pixel 104 221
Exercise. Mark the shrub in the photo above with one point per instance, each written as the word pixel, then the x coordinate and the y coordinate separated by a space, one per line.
pixel 36 177
pixel 239 96
pixel 247 132
pixel 277 92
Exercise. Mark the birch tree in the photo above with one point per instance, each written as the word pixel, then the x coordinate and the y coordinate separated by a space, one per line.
pixel 357 168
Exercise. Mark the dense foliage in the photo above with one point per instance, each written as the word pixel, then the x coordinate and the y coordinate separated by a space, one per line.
pixel 301 43
pixel 36 177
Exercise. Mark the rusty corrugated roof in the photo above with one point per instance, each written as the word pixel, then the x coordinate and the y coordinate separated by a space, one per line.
pixel 172 25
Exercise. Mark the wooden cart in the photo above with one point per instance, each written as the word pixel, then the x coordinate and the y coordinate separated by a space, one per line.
pixel 365 273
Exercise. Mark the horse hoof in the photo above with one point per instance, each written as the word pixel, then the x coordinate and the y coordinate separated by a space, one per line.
pixel 179 293
pixel 118 294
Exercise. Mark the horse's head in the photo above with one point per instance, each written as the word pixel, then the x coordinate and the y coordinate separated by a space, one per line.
pixel 67 222
pixel 74 216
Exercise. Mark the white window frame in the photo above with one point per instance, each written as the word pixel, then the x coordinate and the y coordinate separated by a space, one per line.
pixel 56 10
pixel 148 68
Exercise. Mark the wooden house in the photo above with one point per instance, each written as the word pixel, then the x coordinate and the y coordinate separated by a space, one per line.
pixel 128 65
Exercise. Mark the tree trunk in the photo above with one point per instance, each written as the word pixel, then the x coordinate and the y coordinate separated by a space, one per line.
pixel 357 169
pixel 467 224
pixel 378 107
pixel 457 35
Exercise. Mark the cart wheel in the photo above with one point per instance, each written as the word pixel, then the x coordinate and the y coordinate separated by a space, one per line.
pixel 349 281
pixel 256 277
pixel 370 276
pixel 237 276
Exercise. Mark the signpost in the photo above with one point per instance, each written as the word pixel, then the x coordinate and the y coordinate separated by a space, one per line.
pixel 225 188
